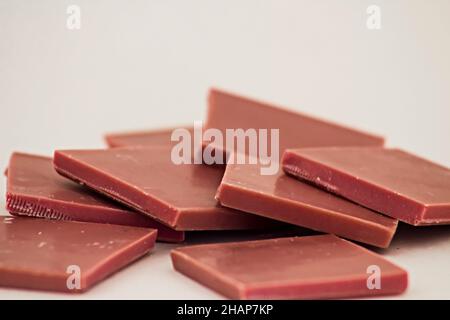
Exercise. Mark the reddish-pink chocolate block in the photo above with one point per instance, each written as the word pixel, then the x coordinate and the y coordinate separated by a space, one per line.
pixel 35 189
pixel 391 181
pixel 313 267
pixel 180 196
pixel 230 111
pixel 148 138
pixel 66 256
pixel 286 199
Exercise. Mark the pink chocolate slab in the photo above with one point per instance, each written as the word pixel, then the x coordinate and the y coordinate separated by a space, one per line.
pixel 313 267
pixel 149 138
pixel 35 189
pixel 286 199
pixel 180 196
pixel 66 256
pixel 230 111
pixel 391 181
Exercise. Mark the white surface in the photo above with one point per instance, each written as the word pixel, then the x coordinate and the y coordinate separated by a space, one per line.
pixel 144 64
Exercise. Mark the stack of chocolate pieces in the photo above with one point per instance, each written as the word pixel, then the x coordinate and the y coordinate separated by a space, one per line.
pixel 115 202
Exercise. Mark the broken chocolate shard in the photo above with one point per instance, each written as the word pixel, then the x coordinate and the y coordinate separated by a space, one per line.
pixel 148 138
pixel 286 199
pixel 180 196
pixel 229 111
pixel 66 256
pixel 35 189
pixel 312 267
pixel 390 181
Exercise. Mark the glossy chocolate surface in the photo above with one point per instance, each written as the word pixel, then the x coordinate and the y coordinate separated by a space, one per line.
pixel 391 181
pixel 161 137
pixel 66 256
pixel 35 189
pixel 284 198
pixel 230 111
pixel 310 267
pixel 180 196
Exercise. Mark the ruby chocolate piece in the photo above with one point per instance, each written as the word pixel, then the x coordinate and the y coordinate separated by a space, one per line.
pixel 160 137
pixel 229 111
pixel 283 198
pixel 310 267
pixel 66 256
pixel 391 181
pixel 35 189
pixel 180 196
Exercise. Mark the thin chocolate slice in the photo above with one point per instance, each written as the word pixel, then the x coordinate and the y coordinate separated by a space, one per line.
pixel 229 111
pixel 391 181
pixel 35 189
pixel 66 256
pixel 313 267
pixel 180 196
pixel 148 138
pixel 283 198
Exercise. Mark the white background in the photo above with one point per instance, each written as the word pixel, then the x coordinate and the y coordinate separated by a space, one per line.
pixel 145 64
